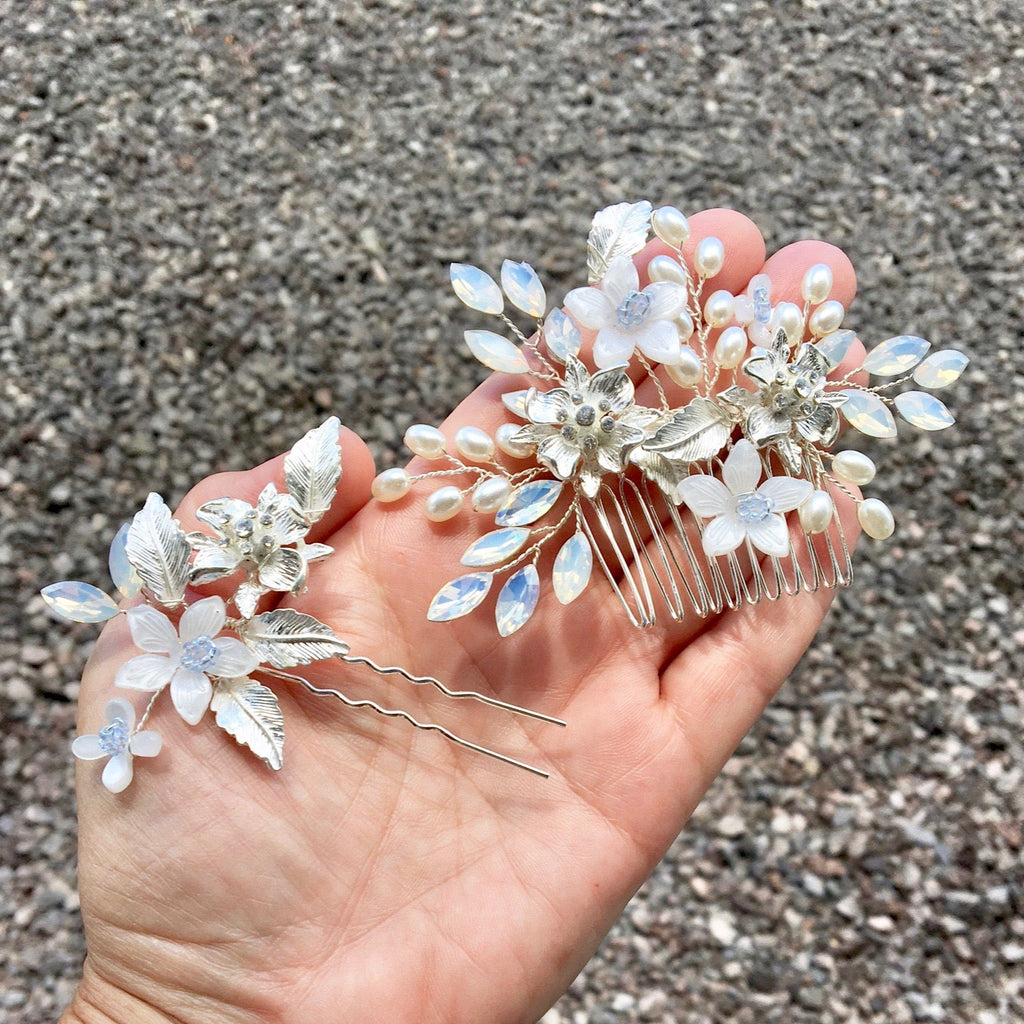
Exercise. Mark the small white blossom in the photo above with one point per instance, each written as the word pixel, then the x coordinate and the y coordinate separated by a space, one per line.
pixel 186 658
pixel 739 509
pixel 115 740
pixel 627 318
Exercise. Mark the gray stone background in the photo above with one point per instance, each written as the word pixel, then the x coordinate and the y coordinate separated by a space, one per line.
pixel 218 221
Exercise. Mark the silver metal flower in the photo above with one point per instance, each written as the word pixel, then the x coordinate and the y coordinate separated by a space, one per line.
pixel 256 539
pixel 791 399
pixel 587 428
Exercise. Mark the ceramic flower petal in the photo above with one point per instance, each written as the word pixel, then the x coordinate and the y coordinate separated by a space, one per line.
pixel 723 534
pixel 742 469
pixel 770 535
pixel 233 658
pixel 151 630
pixel 145 672
pixel 191 693
pixel 204 618
pixel 117 773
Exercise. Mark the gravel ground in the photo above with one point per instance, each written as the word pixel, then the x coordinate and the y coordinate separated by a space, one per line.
pixel 208 208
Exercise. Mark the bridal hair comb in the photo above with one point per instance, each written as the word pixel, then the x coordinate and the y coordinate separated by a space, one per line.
pixel 684 502
pixel 194 659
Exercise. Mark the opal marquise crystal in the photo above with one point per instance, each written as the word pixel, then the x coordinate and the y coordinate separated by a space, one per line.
pixel 529 502
pixel 941 369
pixel 517 600
pixel 476 289
pixel 868 413
pixel 573 566
pixel 496 353
pixel 79 602
pixel 897 355
pixel 493 548
pixel 923 411
pixel 459 597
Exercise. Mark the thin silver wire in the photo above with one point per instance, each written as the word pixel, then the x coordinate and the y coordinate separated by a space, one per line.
pixel 326 691
pixel 355 659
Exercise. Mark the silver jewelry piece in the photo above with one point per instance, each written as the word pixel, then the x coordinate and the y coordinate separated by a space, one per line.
pixel 209 660
pixel 686 503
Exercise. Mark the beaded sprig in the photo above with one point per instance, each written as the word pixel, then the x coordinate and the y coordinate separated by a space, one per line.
pixel 207 659
pixel 683 501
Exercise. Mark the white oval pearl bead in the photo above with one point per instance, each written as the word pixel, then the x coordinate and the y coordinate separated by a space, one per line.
pixel 684 326
pixel 474 444
pixel 789 317
pixel 718 308
pixel 731 347
pixel 391 485
pixel 670 226
pixel 816 512
pixel 876 518
pixel 709 256
pixel 489 495
pixel 826 318
pixel 688 370
pixel 425 441
pixel 664 268
pixel 854 468
pixel 817 283
pixel 443 504
pixel 503 438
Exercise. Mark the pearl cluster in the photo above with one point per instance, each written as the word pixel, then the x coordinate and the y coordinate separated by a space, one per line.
pixel 473 446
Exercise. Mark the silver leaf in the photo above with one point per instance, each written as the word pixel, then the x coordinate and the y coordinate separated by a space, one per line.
pixel 159 551
pixel 696 432
pixel 285 637
pixel 664 472
pixel 619 230
pixel 312 470
pixel 249 711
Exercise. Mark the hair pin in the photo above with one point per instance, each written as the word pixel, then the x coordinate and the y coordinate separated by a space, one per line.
pixel 210 660
pixel 684 503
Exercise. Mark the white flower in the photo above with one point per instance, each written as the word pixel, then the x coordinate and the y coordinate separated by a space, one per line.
pixel 115 740
pixel 626 318
pixel 739 509
pixel 186 657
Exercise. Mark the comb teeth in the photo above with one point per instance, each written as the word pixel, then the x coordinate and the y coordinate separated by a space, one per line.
pixel 650 552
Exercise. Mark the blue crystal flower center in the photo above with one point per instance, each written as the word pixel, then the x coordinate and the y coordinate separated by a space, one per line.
pixel 198 654
pixel 633 309
pixel 113 737
pixel 753 507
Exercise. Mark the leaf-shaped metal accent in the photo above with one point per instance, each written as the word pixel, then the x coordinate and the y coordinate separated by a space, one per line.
pixel 619 230
pixel 249 711
pixel 159 551
pixel 285 637
pixel 695 432
pixel 312 470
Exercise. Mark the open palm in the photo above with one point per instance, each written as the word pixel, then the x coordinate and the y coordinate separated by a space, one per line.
pixel 385 874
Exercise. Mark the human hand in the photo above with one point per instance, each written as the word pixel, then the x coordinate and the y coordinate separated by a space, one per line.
pixel 384 874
